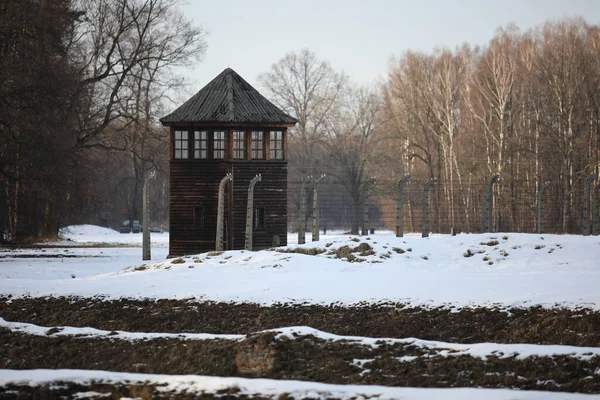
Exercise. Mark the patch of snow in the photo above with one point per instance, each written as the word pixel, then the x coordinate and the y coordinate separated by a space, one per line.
pixel 69 265
pixel 92 333
pixel 272 388
pixel 85 230
pixel 406 358
pixel 91 235
pixel 86 395
pixel 479 350
pixel 430 272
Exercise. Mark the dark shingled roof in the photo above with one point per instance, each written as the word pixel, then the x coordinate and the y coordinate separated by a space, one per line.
pixel 228 98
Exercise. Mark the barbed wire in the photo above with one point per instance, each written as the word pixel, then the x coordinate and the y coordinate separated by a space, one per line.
pixel 515 207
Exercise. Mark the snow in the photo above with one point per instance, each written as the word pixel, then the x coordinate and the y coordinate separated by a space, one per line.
pixel 453 271
pixel 86 395
pixel 91 234
pixel 272 388
pixel 85 230
pixel 93 333
pixel 479 350
pixel 49 264
pixel 500 270
pixel 432 347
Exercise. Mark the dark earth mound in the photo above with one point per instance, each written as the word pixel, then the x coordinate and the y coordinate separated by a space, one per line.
pixel 68 390
pixel 533 325
pixel 305 358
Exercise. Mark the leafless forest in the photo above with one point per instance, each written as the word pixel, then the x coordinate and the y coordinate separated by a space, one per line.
pixel 526 106
pixel 83 83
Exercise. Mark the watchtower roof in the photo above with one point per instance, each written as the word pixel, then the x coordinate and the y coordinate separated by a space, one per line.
pixel 228 99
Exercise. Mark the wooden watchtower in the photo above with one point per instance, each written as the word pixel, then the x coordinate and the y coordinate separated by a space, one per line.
pixel 227 127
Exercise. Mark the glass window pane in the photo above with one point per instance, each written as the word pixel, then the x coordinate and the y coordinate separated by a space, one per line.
pixel 276 145
pixel 200 144
pixel 239 145
pixel 181 144
pixel 258 145
pixel 219 144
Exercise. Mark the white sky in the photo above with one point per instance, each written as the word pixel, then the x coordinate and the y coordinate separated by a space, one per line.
pixel 356 36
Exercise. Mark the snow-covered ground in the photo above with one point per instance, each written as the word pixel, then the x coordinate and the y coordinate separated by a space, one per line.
pixel 270 388
pixel 105 251
pixel 498 270
pixel 91 234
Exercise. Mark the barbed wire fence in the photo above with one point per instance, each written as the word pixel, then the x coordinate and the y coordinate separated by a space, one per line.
pixel 493 205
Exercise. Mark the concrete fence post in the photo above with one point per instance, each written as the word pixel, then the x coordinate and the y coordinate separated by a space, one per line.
pixel 425 227
pixel 595 212
pixel 487 224
pixel 221 212
pixel 315 227
pixel 586 203
pixel 540 207
pixel 146 218
pixel 368 185
pixel 302 216
pixel 250 212
pixel 399 205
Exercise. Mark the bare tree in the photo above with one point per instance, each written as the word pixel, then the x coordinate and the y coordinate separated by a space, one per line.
pixel 561 68
pixel 93 74
pixel 351 138
pixel 114 44
pixel 526 106
pixel 495 84
pixel 308 89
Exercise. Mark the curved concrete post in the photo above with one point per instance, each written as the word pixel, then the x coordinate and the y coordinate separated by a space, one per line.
pixel 221 212
pixel 315 228
pixel 250 212
pixel 368 186
pixel 399 205
pixel 146 218
pixel 586 203
pixel 540 207
pixel 487 216
pixel 302 216
pixel 425 228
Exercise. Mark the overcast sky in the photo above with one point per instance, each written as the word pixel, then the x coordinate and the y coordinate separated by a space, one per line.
pixel 356 36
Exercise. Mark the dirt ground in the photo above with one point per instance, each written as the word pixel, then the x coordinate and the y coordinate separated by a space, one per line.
pixel 69 390
pixel 305 357
pixel 534 325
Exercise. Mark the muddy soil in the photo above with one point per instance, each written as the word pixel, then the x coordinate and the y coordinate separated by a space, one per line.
pixel 534 325
pixel 305 358
pixel 69 390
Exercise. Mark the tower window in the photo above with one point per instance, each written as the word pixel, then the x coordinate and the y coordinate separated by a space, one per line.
pixel 219 144
pixel 181 144
pixel 201 144
pixel 276 145
pixel 239 145
pixel 258 145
